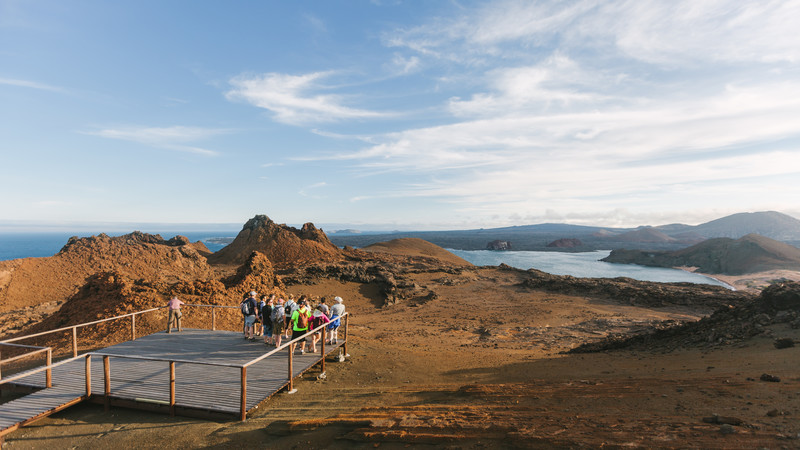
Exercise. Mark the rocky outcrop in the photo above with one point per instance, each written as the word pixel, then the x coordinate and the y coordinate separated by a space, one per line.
pixel 635 292
pixel 498 245
pixel 137 255
pixel 565 243
pixel 777 304
pixel 281 244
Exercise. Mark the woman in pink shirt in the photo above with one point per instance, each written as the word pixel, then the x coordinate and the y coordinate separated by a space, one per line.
pixel 174 306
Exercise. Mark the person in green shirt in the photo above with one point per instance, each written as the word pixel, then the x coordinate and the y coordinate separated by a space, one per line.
pixel 299 321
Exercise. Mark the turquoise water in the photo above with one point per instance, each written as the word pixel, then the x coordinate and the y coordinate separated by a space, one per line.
pixel 585 265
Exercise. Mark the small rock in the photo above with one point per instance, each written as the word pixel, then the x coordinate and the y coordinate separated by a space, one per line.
pixel 783 343
pixel 770 378
pixel 727 429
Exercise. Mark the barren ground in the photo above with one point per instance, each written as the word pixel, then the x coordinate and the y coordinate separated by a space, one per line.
pixel 479 366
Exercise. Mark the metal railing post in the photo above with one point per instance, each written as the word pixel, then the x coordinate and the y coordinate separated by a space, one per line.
pixel 213 318
pixel 133 327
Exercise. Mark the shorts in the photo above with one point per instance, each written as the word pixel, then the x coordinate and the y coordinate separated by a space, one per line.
pixel 249 320
pixel 277 327
pixel 266 329
pixel 297 333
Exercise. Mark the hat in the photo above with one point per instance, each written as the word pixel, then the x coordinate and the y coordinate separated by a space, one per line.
pixel 338 299
pixel 253 293
pixel 317 313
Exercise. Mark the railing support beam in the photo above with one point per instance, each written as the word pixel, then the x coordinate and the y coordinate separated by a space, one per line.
pixel 107 382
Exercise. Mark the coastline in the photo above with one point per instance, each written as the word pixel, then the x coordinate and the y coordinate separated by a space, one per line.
pixel 749 282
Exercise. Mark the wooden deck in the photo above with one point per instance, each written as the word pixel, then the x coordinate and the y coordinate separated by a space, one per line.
pixel 207 377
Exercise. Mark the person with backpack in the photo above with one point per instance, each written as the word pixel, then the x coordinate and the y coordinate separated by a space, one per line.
pixel 266 317
pixel 289 308
pixel 318 318
pixel 248 308
pixel 278 321
pixel 299 321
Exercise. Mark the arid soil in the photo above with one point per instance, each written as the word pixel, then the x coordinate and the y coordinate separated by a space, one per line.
pixel 466 357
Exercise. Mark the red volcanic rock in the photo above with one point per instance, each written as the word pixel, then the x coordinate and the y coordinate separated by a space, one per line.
pixel 32 281
pixel 283 245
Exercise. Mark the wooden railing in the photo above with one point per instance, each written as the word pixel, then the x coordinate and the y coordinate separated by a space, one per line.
pixel 74 329
pixel 289 346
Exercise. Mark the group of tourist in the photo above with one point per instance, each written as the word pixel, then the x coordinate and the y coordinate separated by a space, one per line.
pixel 279 319
pixel 290 319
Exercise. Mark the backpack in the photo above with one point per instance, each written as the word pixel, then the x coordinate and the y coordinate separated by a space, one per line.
pixel 278 313
pixel 266 311
pixel 289 308
pixel 246 307
pixel 302 320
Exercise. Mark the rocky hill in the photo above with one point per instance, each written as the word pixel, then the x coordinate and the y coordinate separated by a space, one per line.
pixel 281 244
pixel 415 247
pixel 749 254
pixel 32 281
pixel 771 224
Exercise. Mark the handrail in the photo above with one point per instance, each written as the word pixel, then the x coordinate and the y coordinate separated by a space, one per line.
pixel 271 352
pixel 19 338
pixel 154 358
pixel 40 369
pixel 25 355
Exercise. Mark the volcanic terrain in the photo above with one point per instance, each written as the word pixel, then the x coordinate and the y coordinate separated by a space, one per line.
pixel 443 353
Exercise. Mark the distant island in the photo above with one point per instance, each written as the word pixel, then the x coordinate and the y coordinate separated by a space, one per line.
pixel 544 237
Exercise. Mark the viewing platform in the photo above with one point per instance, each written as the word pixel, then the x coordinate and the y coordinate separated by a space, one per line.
pixel 197 372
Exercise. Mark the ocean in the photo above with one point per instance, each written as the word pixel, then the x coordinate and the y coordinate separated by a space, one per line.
pixel 26 245
pixel 586 264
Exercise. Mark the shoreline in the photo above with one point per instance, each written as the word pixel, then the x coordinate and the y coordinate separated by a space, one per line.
pixel 749 282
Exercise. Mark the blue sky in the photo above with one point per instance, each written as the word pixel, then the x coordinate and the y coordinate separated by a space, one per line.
pixel 398 115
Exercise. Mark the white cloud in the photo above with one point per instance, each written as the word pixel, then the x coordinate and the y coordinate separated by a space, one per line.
pixel 648 30
pixel 30 85
pixel 175 138
pixel 295 99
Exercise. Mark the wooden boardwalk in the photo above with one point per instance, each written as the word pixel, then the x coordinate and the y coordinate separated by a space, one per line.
pixel 208 377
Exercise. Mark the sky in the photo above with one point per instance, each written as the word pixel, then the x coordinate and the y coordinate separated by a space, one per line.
pixel 408 115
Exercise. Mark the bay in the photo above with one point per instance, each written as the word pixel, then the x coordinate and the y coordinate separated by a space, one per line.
pixel 583 265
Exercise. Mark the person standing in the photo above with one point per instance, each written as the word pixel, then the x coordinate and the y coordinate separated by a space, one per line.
pixel 174 306
pixel 337 311
pixel 266 317
pixel 289 308
pixel 248 307
pixel 318 318
pixel 299 321
pixel 324 307
pixel 278 321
